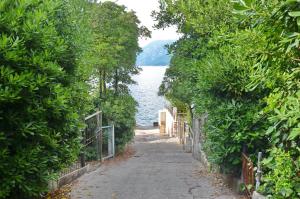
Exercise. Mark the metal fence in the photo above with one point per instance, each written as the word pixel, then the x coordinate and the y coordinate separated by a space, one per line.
pixel 92 138
pixel 108 137
pixel 98 143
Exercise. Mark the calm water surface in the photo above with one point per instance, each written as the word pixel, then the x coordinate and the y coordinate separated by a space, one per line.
pixel 145 93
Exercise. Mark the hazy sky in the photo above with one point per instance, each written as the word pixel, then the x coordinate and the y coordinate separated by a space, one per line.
pixel 143 9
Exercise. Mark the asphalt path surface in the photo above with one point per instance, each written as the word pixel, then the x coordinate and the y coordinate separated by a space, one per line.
pixel 159 169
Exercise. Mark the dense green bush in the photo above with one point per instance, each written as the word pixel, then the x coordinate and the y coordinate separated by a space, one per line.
pixel 43 94
pixel 238 61
pixel 90 154
pixel 282 181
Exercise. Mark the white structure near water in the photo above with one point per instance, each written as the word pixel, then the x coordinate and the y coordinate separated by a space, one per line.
pixel 166 121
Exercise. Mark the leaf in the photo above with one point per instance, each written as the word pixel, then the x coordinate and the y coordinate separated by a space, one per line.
pixel 291 2
pixel 294 14
pixel 239 7
pixel 270 130
pixel 248 2
pixel 294 133
pixel 298 21
pixel 286 192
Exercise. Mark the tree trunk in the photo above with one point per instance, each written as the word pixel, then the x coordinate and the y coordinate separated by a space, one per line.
pixel 100 84
pixel 116 82
pixel 104 83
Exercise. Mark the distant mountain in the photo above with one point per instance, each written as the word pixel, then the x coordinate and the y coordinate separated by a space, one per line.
pixel 155 54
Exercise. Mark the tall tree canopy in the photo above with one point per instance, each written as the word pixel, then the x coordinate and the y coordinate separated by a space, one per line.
pixel 116 32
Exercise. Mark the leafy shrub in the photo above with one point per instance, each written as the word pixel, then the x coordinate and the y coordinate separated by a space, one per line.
pixel 42 91
pixel 282 180
pixel 90 153
pixel 227 127
pixel 121 111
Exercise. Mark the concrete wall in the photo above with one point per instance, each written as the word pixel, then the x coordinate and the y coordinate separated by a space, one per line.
pixel 166 121
pixel 68 178
pixel 198 136
pixel 257 196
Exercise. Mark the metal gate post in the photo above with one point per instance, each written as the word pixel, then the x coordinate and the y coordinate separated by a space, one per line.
pixel 259 171
pixel 109 141
pixel 82 151
pixel 98 135
pixel 113 139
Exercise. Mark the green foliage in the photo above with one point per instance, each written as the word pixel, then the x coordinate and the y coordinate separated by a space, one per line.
pixel 43 94
pixel 238 61
pixel 227 128
pixel 90 153
pixel 282 181
pixel 121 110
pixel 116 46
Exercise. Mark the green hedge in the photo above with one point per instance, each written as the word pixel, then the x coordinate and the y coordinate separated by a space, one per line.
pixel 42 91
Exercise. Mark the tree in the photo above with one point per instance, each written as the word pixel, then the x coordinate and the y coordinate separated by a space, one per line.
pixel 117 32
pixel 116 46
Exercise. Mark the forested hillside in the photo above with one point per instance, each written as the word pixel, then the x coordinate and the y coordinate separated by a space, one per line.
pixel 155 54
pixel 59 61
pixel 238 61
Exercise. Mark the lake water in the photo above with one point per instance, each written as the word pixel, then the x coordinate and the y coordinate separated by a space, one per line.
pixel 145 93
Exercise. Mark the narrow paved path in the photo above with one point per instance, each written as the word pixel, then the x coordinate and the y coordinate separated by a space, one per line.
pixel 159 170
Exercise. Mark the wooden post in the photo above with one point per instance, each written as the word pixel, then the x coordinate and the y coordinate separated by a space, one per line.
pixel 183 135
pixel 174 122
pixel 244 151
pixel 181 130
pixel 178 126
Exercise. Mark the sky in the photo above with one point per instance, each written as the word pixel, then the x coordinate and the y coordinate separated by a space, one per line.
pixel 143 9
